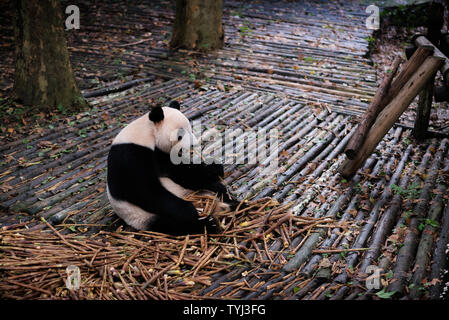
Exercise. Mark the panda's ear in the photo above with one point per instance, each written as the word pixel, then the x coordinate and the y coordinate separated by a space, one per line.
pixel 175 105
pixel 156 114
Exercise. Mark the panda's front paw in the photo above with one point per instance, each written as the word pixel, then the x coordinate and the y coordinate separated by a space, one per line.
pixel 212 225
pixel 234 204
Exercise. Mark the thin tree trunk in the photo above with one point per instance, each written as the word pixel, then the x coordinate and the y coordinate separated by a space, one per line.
pixel 43 74
pixel 198 25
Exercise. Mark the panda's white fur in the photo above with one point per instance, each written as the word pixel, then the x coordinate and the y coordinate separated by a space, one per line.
pixel 131 214
pixel 162 135
pixel 140 131
pixel 174 188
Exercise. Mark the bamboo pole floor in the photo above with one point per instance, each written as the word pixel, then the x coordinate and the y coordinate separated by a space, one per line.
pixel 305 232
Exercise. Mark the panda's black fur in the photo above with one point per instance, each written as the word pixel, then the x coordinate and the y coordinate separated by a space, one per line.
pixel 134 173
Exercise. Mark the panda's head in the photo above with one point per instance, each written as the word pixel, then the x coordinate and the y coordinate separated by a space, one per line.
pixel 171 127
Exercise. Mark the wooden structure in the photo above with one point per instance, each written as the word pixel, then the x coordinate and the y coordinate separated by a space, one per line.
pixel 416 78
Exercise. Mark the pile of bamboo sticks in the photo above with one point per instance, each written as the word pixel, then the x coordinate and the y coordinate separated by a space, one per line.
pixel 144 265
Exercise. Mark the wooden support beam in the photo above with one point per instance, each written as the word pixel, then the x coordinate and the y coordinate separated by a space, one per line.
pixel 423 111
pixel 392 112
pixel 423 41
pixel 384 95
pixel 407 70
pixel 371 112
pixel 409 51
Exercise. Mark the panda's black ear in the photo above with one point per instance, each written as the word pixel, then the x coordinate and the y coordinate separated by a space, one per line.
pixel 175 105
pixel 156 114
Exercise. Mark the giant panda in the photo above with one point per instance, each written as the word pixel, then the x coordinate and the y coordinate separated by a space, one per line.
pixel 145 188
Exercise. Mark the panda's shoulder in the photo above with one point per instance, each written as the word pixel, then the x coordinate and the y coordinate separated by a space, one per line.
pixel 139 132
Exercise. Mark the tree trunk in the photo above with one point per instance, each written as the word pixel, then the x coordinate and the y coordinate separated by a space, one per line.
pixel 198 25
pixel 43 74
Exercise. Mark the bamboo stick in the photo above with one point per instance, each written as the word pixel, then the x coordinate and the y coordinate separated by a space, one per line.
pixel 406 253
pixel 426 242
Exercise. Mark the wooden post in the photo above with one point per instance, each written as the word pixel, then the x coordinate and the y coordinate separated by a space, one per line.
pixel 445 44
pixel 423 111
pixel 441 93
pixel 392 112
pixel 435 21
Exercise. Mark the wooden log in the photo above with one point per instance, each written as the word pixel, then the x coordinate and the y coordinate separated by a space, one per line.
pixel 439 257
pixel 426 243
pixel 304 253
pixel 116 88
pixel 407 70
pixel 406 253
pixel 386 222
pixel 423 41
pixel 423 112
pixel 371 113
pixel 392 112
